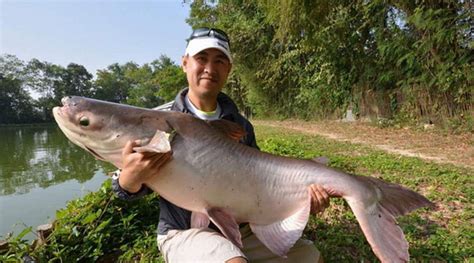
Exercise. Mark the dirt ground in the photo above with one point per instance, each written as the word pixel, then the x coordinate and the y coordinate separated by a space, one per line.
pixel 427 144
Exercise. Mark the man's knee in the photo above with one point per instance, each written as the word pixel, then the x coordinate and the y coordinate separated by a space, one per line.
pixel 237 260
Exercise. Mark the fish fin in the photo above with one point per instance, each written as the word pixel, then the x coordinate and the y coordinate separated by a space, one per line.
pixel 280 236
pixel 231 129
pixel 226 224
pixel 199 220
pixel 377 220
pixel 383 234
pixel 159 143
pixel 321 160
pixel 397 199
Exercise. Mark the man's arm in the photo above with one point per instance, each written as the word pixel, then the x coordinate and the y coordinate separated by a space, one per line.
pixel 124 194
pixel 137 169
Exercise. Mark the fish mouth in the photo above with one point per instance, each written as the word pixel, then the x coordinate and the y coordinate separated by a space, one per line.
pixel 58 110
pixel 66 110
pixel 58 114
pixel 96 155
pixel 65 100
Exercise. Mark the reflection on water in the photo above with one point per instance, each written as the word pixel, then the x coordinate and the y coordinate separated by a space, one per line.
pixel 33 157
pixel 41 170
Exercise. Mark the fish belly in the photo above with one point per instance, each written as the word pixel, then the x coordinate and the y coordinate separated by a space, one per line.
pixel 243 193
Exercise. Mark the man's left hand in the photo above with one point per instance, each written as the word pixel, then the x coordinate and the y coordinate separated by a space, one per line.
pixel 319 198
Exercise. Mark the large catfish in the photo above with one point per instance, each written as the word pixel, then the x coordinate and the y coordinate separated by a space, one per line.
pixel 223 181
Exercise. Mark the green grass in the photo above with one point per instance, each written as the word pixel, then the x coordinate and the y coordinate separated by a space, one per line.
pixel 100 227
pixel 445 233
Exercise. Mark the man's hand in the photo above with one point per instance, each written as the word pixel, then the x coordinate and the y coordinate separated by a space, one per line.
pixel 139 167
pixel 319 199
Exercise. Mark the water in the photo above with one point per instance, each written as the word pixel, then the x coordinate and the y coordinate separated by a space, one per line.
pixel 40 170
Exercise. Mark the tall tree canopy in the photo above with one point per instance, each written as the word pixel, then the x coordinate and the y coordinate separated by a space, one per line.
pixel 310 59
pixel 404 60
pixel 15 102
pixel 148 85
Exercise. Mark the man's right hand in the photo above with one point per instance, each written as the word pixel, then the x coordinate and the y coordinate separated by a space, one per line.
pixel 139 167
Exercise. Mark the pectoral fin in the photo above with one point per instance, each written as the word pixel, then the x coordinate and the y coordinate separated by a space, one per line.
pixel 231 129
pixel 226 224
pixel 160 143
pixel 280 236
pixel 199 220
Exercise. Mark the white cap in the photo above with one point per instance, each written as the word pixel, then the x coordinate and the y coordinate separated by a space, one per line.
pixel 197 45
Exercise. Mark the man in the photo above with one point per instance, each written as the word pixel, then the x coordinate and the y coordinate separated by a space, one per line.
pixel 207 63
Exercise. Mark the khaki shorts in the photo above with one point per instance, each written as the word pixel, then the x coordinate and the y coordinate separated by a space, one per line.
pixel 207 245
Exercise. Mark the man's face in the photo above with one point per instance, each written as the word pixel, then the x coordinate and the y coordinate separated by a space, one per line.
pixel 207 71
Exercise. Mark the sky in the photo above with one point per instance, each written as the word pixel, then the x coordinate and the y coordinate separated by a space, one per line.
pixel 93 33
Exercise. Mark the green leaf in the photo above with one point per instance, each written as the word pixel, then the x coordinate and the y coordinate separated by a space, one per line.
pixel 75 232
pixel 103 225
pixel 24 233
pixel 90 218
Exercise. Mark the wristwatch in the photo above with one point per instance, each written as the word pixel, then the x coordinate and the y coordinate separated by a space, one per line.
pixel 122 193
pixel 116 174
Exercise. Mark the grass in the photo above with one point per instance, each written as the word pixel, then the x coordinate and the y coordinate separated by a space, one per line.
pixel 444 234
pixel 102 228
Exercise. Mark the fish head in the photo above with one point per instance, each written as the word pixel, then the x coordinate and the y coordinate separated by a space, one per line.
pixel 103 128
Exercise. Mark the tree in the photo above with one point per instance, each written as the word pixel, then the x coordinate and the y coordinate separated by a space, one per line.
pixel 312 59
pixel 143 87
pixel 53 82
pixel 16 104
pixel 170 78
pixel 111 83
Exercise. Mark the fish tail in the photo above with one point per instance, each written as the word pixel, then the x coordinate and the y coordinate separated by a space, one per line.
pixel 397 199
pixel 376 217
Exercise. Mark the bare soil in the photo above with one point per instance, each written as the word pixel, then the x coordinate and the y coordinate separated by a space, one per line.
pixel 456 149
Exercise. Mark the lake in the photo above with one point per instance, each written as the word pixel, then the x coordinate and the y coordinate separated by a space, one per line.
pixel 40 170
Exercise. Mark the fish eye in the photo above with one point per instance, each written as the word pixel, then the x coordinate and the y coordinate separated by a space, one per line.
pixel 84 121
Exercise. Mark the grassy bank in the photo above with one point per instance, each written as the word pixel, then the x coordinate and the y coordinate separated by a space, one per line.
pixel 100 227
pixel 444 234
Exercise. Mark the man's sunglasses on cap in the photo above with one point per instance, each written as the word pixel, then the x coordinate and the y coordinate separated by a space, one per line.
pixel 209 32
pixel 205 38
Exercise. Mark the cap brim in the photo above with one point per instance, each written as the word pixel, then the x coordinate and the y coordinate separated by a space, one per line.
pixel 199 44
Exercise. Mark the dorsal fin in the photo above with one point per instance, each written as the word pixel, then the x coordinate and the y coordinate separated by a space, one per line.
pixel 231 129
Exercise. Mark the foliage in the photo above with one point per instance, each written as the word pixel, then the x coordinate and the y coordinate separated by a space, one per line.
pixel 18 79
pixel 15 101
pixel 148 85
pixel 112 84
pixel 55 82
pixel 399 60
pixel 170 77
pixel 312 59
pixel 99 227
